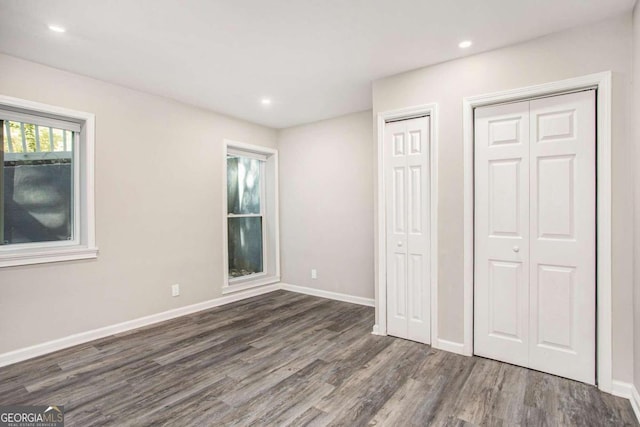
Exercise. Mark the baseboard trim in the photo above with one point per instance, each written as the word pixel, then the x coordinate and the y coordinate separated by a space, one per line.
pixel 22 354
pixel 621 389
pixel 440 344
pixel 450 346
pixel 628 391
pixel 328 294
pixel 30 352
pixel 635 401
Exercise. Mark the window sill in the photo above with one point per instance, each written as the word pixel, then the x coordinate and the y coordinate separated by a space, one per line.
pixel 41 255
pixel 257 282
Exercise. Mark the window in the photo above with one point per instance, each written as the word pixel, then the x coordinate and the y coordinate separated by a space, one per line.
pixel 46 183
pixel 245 214
pixel 251 222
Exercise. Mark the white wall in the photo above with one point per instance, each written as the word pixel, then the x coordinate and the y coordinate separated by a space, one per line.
pixel 158 197
pixel 635 125
pixel 598 47
pixel 326 204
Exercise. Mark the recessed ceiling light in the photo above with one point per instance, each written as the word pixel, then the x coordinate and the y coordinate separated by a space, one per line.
pixel 265 101
pixel 57 28
pixel 465 44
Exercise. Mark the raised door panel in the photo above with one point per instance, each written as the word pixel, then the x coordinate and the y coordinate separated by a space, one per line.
pixel 416 201
pixel 398 273
pixel 501 295
pixel 398 200
pixel 555 202
pixel 504 198
pixel 505 300
pixel 563 244
pixel 556 320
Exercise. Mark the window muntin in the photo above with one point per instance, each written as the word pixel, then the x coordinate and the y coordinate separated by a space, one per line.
pixel 245 215
pixel 38 174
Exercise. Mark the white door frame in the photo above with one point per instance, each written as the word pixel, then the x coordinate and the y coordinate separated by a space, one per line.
pixel 431 110
pixel 601 82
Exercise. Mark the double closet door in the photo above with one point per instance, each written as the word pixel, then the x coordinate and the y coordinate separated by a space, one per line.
pixel 535 234
pixel 407 189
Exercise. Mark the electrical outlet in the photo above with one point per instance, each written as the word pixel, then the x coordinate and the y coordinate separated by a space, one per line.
pixel 314 273
pixel 175 290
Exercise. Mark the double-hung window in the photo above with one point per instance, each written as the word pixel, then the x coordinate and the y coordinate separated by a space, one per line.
pixel 245 213
pixel 46 183
pixel 251 221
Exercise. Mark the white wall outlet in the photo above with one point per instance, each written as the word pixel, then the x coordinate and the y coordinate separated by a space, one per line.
pixel 314 273
pixel 175 290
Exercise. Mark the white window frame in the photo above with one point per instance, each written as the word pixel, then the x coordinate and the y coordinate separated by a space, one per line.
pixel 83 245
pixel 268 211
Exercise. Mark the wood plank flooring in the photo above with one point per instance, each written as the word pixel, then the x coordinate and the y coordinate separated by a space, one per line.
pixel 290 359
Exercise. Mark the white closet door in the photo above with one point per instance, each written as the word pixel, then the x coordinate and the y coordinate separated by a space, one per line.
pixel 407 185
pixel 396 212
pixel 563 244
pixel 501 296
pixel 535 241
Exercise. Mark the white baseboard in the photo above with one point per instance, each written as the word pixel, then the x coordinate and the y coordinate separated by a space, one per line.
pixel 635 402
pixel 628 391
pixel 369 302
pixel 450 346
pixel 440 344
pixel 621 389
pixel 84 337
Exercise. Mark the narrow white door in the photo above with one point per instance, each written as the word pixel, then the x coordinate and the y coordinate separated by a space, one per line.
pixel 407 202
pixel 535 246
pixel 563 239
pixel 501 295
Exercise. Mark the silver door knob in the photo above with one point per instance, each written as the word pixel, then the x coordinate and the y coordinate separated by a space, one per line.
pixel 399 244
pixel 516 249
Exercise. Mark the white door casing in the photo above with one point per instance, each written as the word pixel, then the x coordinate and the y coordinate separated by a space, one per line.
pixel 407 175
pixel 535 248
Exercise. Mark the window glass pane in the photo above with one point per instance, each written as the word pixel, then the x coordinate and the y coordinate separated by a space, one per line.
pixel 245 246
pixel 36 168
pixel 243 185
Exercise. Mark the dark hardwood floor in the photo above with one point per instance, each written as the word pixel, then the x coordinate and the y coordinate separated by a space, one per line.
pixel 285 358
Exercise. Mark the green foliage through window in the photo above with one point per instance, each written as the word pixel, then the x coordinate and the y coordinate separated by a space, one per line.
pixel 30 138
